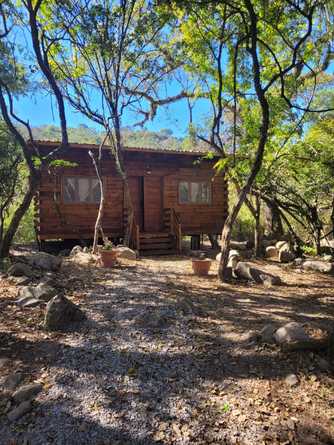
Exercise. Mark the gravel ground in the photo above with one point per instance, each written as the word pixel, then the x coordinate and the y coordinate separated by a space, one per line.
pixel 167 358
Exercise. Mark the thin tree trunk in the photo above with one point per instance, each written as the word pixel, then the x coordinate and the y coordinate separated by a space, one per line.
pixel 258 228
pixel 18 215
pixel 98 222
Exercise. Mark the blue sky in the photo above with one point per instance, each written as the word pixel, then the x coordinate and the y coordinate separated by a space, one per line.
pixel 41 109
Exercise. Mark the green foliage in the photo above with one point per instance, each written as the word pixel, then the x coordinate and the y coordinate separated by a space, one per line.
pixel 26 231
pixel 309 250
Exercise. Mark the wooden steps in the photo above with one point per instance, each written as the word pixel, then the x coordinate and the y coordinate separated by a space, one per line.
pixel 160 243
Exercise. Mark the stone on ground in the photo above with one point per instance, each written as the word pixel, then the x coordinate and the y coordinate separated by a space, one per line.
pixel 27 392
pixel 126 253
pixel 44 261
pixel 291 333
pixel 12 381
pixel 83 259
pixel 271 252
pixel 19 411
pixel 285 256
pixel 267 333
pixel 19 270
pixel 247 271
pixel 41 292
pixel 60 313
pixel 318 266
pixel 291 380
pixel 75 250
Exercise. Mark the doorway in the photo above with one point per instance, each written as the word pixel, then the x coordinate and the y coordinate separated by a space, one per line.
pixel 146 195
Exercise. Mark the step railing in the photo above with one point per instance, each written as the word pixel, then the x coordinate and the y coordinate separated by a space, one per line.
pixel 173 225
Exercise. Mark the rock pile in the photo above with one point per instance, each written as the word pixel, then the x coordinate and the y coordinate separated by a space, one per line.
pixel 15 400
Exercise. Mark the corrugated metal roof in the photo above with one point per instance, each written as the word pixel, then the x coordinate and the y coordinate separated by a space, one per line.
pixel 162 150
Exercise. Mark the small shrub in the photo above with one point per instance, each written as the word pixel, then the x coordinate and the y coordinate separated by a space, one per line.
pixel 309 250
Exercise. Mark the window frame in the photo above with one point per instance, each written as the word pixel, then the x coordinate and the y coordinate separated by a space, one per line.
pixel 196 181
pixel 94 203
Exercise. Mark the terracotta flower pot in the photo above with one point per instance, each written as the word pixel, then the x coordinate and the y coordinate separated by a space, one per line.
pixel 201 267
pixel 108 257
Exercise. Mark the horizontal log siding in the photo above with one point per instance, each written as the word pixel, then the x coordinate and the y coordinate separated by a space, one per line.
pixel 58 220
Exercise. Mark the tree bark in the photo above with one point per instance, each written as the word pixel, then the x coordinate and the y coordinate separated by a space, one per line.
pixel 273 222
pixel 265 119
pixel 258 228
pixel 7 240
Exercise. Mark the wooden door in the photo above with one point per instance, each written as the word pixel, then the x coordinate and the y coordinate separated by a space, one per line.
pixel 136 184
pixel 152 203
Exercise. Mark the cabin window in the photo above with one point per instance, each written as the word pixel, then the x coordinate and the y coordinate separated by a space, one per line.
pixel 198 192
pixel 80 189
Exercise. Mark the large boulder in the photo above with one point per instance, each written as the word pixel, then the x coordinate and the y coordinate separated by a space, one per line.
pixel 247 271
pixel 271 252
pixel 318 266
pixel 60 313
pixel 20 270
pixel 44 261
pixel 126 253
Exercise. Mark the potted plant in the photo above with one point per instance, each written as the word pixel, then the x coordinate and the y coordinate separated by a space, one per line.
pixel 201 265
pixel 108 255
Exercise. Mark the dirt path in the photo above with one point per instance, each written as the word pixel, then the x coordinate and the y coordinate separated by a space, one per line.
pixel 167 358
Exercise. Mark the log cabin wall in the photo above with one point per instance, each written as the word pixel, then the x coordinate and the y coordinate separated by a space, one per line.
pixel 158 174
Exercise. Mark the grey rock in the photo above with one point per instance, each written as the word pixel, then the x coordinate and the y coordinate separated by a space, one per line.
pixel 42 292
pixel 271 252
pixel 267 333
pixel 44 261
pixel 291 380
pixel 318 266
pixel 328 258
pixel 20 270
pixel 31 302
pixel 75 250
pixel 60 313
pixel 27 392
pixel 298 262
pixel 285 256
pixel 125 252
pixel 270 280
pixel 291 333
pixel 20 281
pixel 12 381
pixel 247 271
pixel 19 411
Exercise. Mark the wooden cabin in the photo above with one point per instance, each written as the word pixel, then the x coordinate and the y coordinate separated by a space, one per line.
pixel 174 193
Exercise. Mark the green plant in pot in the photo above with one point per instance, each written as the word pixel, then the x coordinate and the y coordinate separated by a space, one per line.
pixel 108 254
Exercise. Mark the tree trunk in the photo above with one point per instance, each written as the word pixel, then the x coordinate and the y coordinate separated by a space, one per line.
pixel 273 222
pixel 258 228
pixel 98 222
pixel 214 241
pixel 7 240
pixel 120 165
